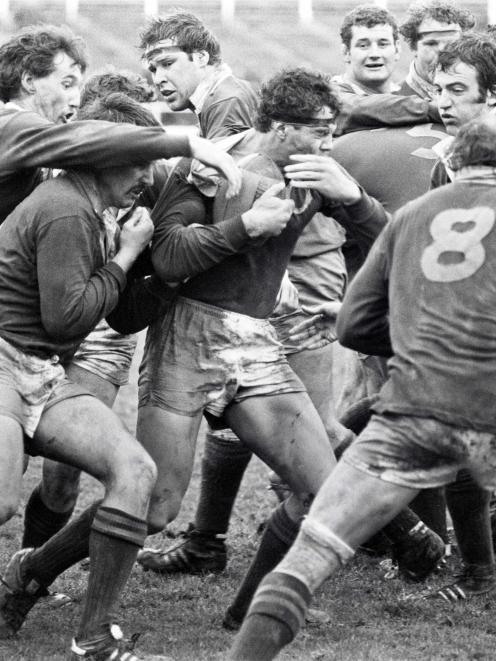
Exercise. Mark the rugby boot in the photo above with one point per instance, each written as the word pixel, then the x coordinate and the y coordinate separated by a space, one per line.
pixel 111 646
pixel 18 595
pixel 196 553
pixel 418 553
pixel 470 581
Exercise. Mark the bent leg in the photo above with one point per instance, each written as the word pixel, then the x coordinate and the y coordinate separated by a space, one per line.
pixel 341 517
pixel 287 433
pixel 52 501
pixel 170 439
pixel 83 431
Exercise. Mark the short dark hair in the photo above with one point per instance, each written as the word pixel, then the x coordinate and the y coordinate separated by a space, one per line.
pixel 112 80
pixel 189 33
pixel 367 16
pixel 33 49
pixel 294 95
pixel 119 108
pixel 478 51
pixel 439 10
pixel 475 143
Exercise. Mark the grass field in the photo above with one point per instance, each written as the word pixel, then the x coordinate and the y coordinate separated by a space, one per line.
pixel 181 616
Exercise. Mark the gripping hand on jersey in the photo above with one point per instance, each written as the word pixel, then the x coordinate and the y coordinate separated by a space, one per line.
pixel 323 174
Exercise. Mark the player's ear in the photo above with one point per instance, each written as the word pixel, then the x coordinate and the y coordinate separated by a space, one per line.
pixel 27 82
pixel 491 97
pixel 346 53
pixel 397 49
pixel 201 57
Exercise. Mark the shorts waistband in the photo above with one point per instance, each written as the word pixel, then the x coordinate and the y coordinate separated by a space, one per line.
pixel 220 313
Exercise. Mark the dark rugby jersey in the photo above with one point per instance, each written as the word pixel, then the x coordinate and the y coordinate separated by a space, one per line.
pixel 242 275
pixel 433 269
pixel 392 164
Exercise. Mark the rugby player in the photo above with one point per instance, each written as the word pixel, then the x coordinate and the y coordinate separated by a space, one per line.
pixel 102 361
pixel 185 62
pixel 63 267
pixel 240 374
pixel 41 71
pixel 429 423
pixel 465 83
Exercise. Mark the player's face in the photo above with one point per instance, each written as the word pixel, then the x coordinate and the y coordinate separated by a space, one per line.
pixel 458 96
pixel 176 74
pixel 372 55
pixel 121 186
pixel 433 37
pixel 312 138
pixel 57 96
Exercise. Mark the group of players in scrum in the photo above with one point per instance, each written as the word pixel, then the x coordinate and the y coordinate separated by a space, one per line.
pixel 84 265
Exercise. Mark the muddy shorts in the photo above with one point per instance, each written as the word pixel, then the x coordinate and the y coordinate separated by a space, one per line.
pixel 422 453
pixel 201 358
pixel 107 353
pixel 29 385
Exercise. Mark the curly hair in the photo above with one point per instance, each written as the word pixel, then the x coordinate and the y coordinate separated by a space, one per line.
pixel 33 50
pixel 475 143
pixel 442 11
pixel 367 16
pixel 188 32
pixel 111 80
pixel 294 95
pixel 118 107
pixel 478 51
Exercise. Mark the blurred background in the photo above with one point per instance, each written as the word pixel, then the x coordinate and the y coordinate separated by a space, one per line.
pixel 258 37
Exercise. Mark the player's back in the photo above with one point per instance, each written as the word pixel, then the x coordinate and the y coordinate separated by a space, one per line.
pixel 392 164
pixel 442 295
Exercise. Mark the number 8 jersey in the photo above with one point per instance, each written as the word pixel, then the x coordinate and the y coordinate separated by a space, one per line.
pixel 427 292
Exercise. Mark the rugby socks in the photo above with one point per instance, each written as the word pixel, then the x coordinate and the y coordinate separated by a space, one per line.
pixel 278 536
pixel 114 542
pixel 40 522
pixel 468 504
pixel 430 506
pixel 223 466
pixel 400 526
pixel 69 546
pixel 275 617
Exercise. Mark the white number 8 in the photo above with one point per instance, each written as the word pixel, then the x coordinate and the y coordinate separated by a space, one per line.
pixel 462 240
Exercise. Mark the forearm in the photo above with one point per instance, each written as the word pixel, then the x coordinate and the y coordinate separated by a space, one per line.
pixel 385 110
pixel 180 252
pixel 100 144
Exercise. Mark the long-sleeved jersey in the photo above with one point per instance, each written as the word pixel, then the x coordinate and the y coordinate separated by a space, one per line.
pixel 426 294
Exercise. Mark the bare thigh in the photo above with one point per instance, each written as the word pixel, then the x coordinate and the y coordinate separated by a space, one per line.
pixel 286 432
pixel 85 433
pixel 170 439
pixel 60 482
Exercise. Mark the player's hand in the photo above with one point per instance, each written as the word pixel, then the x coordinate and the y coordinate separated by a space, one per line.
pixel 313 333
pixel 210 154
pixel 269 214
pixel 136 234
pixel 324 174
